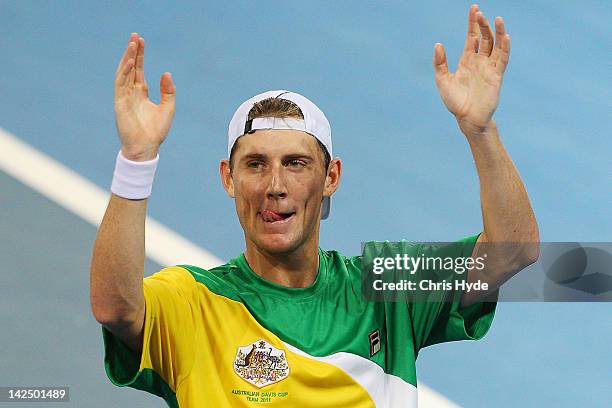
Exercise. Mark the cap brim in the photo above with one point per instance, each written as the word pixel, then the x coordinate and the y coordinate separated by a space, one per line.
pixel 325 207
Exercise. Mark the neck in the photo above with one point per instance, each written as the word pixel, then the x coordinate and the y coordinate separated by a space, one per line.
pixel 295 269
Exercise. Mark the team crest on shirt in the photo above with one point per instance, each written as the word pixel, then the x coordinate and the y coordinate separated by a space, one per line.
pixel 261 364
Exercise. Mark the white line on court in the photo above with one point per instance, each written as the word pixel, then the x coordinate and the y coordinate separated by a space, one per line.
pixel 52 179
pixel 85 199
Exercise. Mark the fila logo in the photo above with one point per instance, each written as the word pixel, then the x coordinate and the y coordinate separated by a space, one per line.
pixel 374 342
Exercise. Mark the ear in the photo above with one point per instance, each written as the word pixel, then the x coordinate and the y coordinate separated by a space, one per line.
pixel 332 180
pixel 226 177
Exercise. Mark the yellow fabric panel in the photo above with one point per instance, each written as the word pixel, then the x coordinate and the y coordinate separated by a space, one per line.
pixel 169 329
pixel 193 339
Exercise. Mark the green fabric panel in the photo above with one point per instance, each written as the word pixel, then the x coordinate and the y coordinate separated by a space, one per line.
pixel 454 322
pixel 121 365
pixel 416 321
pixel 324 318
pixel 470 323
pixel 331 315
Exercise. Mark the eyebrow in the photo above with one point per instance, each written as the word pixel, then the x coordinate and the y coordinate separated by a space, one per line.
pixel 292 156
pixel 254 156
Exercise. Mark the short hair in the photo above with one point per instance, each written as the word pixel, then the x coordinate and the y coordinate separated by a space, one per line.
pixel 279 108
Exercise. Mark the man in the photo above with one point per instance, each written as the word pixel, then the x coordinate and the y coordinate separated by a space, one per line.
pixel 285 323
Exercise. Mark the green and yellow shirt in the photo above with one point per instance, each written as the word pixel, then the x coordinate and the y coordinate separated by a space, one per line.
pixel 226 337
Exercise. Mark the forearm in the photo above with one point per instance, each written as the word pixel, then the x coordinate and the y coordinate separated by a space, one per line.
pixel 510 232
pixel 506 211
pixel 117 267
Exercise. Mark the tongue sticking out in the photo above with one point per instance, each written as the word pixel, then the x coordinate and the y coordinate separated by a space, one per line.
pixel 271 216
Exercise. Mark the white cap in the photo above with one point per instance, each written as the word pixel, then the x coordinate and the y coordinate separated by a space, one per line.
pixel 315 123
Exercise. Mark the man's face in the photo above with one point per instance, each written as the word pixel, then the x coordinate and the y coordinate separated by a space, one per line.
pixel 278 181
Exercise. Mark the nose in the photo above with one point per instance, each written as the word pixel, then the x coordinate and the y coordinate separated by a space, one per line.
pixel 277 187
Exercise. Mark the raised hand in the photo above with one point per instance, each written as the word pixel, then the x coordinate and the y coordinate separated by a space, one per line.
pixel 472 92
pixel 142 124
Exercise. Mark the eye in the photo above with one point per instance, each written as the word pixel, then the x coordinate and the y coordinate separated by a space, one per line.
pixel 254 164
pixel 296 163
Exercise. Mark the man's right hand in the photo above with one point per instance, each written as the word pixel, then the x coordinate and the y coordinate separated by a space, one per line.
pixel 142 125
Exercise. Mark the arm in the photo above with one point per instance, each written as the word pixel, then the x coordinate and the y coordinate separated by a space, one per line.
pixel 472 95
pixel 510 237
pixel 117 270
pixel 117 266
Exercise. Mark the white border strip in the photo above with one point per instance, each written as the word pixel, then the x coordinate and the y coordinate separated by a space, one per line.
pixel 429 398
pixel 387 391
pixel 70 190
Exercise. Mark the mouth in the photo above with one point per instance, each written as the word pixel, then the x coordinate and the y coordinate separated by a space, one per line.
pixel 275 217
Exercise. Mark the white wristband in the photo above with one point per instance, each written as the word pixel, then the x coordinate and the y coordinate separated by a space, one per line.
pixel 132 179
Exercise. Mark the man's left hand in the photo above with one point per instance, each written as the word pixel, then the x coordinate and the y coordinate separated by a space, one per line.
pixel 472 92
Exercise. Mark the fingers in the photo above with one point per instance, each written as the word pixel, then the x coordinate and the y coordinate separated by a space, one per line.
pixel 486 43
pixel 127 61
pixel 480 41
pixel 473 32
pixel 439 62
pixel 131 66
pixel 132 72
pixel 504 54
pixel 500 31
pixel 125 70
pixel 501 52
pixel 139 71
pixel 125 56
pixel 167 91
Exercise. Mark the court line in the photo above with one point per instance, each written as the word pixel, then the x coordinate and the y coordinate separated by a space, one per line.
pixel 85 199
pixel 54 180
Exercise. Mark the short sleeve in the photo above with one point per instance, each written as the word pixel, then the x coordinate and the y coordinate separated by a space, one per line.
pixel 171 306
pixel 445 320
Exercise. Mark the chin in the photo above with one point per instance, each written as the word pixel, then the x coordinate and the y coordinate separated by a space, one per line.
pixel 276 244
